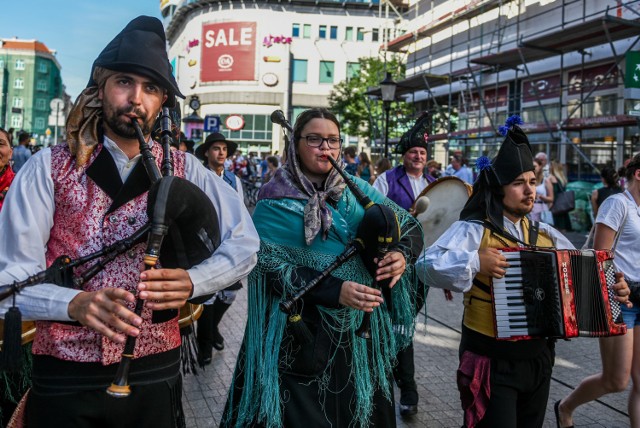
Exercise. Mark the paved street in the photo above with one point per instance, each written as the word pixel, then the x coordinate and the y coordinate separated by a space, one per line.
pixel 436 348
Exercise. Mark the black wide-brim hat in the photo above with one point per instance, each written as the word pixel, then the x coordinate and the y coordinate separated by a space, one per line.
pixel 141 48
pixel 216 137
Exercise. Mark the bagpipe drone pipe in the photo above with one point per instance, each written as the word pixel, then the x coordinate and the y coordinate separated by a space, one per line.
pixel 378 233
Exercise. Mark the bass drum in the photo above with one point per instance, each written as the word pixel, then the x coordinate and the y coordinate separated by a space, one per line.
pixel 189 313
pixel 446 198
pixel 28 332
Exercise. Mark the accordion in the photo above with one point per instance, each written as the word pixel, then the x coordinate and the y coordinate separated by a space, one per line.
pixel 556 293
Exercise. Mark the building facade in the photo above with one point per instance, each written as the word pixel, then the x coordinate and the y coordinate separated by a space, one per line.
pixel 560 64
pixel 243 60
pixel 29 80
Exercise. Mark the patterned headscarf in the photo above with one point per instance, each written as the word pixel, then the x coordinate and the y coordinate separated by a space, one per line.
pixel 84 117
pixel 290 182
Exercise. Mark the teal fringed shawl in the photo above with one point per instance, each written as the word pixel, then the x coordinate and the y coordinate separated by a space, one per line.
pixel 280 226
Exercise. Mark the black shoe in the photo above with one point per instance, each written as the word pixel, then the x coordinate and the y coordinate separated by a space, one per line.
pixel 218 340
pixel 408 409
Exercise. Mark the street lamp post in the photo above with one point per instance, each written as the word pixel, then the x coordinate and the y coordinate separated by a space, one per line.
pixel 388 90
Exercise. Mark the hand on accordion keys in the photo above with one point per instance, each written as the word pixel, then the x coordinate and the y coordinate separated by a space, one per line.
pixel 492 262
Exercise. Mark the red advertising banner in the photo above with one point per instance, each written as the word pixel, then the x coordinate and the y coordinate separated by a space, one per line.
pixel 541 88
pixel 588 78
pixel 228 51
pixel 493 98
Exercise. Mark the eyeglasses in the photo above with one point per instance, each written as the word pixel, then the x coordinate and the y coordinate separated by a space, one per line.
pixel 316 141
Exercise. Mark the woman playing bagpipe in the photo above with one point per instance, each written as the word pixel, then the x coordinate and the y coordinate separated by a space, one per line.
pixel 311 366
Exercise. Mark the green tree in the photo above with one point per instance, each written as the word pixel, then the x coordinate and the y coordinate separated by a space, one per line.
pixel 363 115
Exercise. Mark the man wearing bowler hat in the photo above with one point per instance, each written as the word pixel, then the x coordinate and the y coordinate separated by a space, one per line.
pixel 214 152
pixel 77 198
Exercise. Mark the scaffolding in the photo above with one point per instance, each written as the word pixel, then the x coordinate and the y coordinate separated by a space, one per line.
pixel 507 46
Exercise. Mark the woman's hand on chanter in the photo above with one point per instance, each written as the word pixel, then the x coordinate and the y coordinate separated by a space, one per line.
pixel 391 266
pixel 361 297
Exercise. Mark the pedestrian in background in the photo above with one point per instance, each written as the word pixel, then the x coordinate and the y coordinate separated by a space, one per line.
pixel 383 164
pixel 365 169
pixel 559 181
pixel 617 228
pixel 349 155
pixel 610 180
pixel 544 196
pixel 22 153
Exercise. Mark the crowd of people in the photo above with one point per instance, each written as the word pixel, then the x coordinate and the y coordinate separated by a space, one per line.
pixel 331 258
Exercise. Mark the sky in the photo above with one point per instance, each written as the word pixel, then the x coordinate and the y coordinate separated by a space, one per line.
pixel 77 30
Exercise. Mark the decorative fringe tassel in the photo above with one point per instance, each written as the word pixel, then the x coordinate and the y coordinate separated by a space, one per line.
pixel 176 402
pixel 12 341
pixel 189 351
pixel 299 330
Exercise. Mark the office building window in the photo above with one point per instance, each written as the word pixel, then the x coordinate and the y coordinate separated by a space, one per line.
pixel 333 32
pixel 348 34
pixel 306 31
pixel 322 32
pixel 43 67
pixel 18 83
pixel 17 102
pixel 16 121
pixel 326 71
pixel 353 69
pixel 39 122
pixel 360 34
pixel 375 35
pixel 295 30
pixel 41 104
pixel 299 70
pixel 41 85
pixel 19 64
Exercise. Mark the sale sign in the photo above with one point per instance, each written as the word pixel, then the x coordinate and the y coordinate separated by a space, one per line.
pixel 228 51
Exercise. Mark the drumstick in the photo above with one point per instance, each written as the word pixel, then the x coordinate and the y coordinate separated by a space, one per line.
pixel 422 203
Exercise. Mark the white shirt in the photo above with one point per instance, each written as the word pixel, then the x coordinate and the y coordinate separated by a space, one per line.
pixel 27 219
pixel 452 261
pixel 627 251
pixel 418 184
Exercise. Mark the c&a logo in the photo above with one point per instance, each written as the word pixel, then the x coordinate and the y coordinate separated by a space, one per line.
pixel 225 61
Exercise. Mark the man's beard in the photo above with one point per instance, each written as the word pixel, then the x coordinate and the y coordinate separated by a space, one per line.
pixel 123 127
pixel 518 212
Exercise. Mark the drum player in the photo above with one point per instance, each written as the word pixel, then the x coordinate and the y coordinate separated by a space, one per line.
pixel 75 198
pixel 403 184
pixel 502 384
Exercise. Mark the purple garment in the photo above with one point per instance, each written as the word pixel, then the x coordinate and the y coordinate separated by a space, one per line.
pixel 400 190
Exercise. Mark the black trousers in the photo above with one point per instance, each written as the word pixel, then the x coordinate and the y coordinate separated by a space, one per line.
pixel 152 406
pixel 519 392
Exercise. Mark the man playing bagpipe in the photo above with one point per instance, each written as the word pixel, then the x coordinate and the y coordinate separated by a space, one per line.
pixel 78 198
